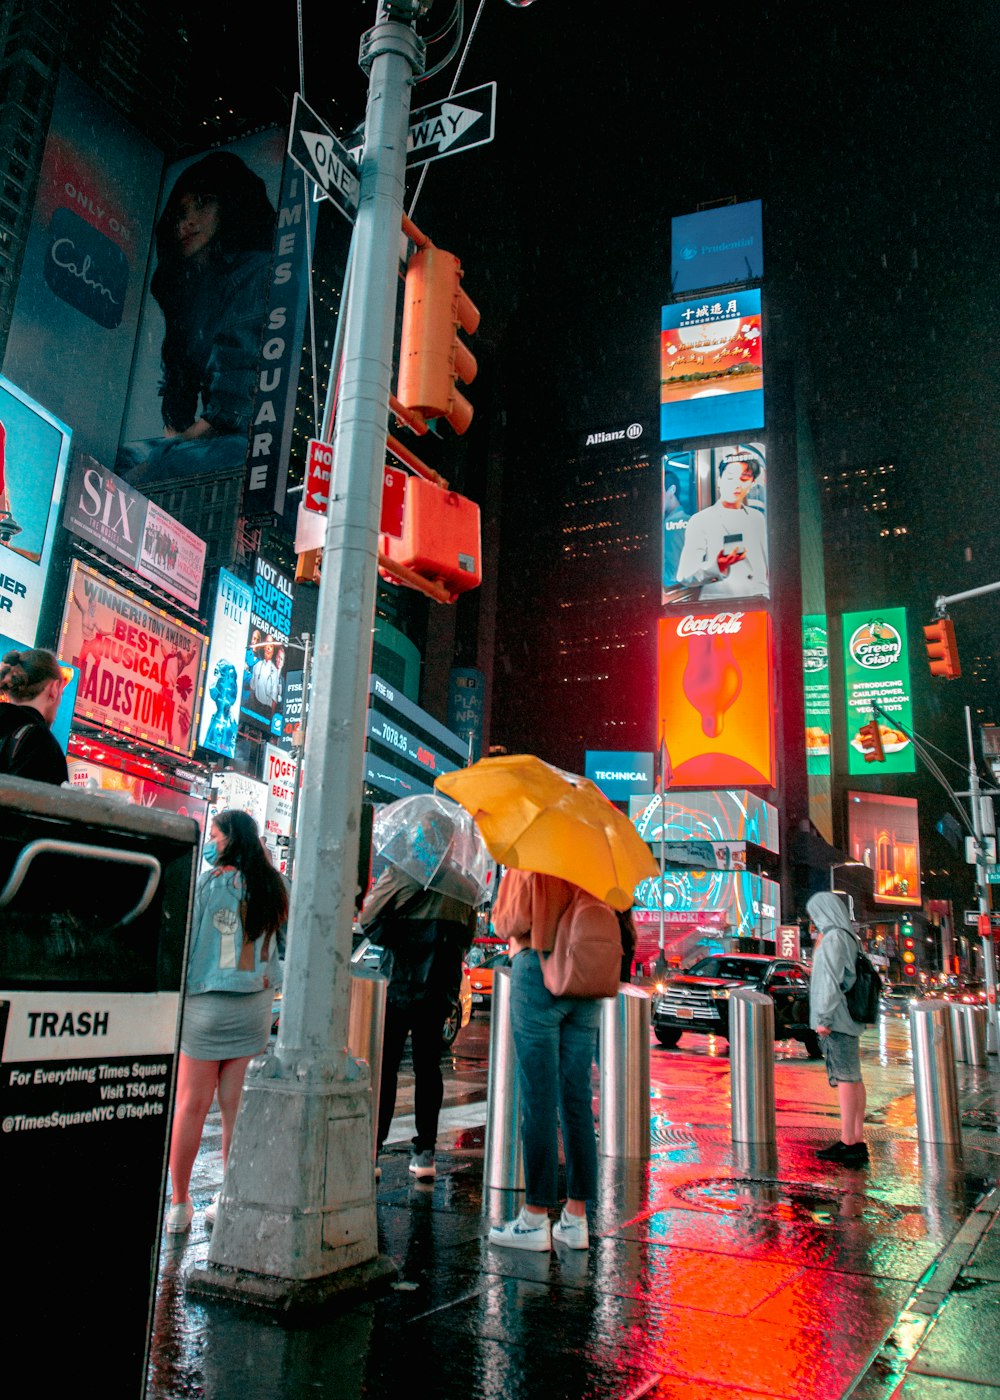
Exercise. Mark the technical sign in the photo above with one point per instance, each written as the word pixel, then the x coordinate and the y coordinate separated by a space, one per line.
pixel 454 124
pixel 877 668
pixel 313 147
pixel 620 774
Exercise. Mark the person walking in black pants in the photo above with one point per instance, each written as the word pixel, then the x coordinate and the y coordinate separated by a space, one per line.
pixel 424 936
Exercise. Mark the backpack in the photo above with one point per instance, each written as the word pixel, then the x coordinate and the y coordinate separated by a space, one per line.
pixel 586 960
pixel 863 997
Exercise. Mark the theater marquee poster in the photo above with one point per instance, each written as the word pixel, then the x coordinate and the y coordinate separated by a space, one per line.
pixel 140 670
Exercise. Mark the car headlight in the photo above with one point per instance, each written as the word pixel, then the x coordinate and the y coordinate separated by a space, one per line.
pixel 660 988
pixel 720 994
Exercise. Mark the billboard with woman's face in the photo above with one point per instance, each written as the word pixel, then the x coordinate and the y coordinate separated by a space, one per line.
pixel 198 348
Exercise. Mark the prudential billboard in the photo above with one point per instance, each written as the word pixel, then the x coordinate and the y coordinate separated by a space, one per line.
pixel 877 670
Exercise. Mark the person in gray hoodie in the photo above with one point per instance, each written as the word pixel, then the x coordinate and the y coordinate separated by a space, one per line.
pixel 833 973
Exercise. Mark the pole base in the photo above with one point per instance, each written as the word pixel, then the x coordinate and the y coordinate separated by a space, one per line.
pixel 298 1201
pixel 293 1299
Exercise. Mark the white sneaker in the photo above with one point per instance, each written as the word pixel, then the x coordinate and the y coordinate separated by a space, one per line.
pixel 526 1232
pixel 179 1218
pixel 571 1230
pixel 212 1210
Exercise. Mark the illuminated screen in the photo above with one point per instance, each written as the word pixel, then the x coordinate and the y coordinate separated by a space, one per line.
pixel 714 509
pixel 816 678
pixel 726 817
pixel 715 699
pixel 736 903
pixel 711 367
pixel 882 833
pixel 715 247
pixel 877 669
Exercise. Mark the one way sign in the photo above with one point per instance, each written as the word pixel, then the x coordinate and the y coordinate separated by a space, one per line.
pixel 313 147
pixel 454 124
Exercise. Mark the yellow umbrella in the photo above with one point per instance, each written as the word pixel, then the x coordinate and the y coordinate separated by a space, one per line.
pixel 536 817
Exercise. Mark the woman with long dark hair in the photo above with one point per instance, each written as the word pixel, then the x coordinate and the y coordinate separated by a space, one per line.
pixel 213 244
pixel 239 907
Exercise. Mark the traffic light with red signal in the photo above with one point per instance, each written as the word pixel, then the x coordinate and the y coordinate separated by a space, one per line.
pixel 871 742
pixel 942 649
pixel 431 355
pixel 909 949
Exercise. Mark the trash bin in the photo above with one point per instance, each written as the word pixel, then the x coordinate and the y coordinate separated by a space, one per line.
pixel 95 899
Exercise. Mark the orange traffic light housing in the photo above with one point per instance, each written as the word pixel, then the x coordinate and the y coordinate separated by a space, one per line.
pixel 431 355
pixel 942 649
pixel 871 742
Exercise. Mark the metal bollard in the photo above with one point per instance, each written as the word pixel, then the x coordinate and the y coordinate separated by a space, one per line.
pixel 934 1085
pixel 751 1066
pixel 365 1029
pixel 624 1077
pixel 503 1168
pixel 968 1030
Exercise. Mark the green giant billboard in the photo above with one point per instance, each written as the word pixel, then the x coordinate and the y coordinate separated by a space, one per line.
pixel 877 670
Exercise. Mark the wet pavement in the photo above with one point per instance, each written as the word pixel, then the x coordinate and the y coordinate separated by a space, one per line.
pixel 713 1271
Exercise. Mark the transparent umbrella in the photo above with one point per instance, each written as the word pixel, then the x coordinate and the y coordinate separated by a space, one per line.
pixel 436 842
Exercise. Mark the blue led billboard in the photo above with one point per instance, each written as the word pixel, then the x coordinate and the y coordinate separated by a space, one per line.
pixel 716 247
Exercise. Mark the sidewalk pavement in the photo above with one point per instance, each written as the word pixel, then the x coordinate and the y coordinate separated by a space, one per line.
pixel 712 1272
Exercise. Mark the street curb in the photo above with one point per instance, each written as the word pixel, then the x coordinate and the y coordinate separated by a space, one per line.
pixel 886 1373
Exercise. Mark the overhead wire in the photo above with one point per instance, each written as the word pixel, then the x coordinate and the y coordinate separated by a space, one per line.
pixel 454 84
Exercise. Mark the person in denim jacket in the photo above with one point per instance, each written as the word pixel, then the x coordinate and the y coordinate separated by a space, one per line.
pixel 239 908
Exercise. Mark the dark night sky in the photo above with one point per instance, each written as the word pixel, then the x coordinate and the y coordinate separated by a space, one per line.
pixel 870 134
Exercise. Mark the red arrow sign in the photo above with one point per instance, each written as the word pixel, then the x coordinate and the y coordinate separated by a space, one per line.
pixel 319 466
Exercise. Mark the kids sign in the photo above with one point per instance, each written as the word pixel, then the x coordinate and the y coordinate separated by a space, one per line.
pixel 877 670
pixel 140 671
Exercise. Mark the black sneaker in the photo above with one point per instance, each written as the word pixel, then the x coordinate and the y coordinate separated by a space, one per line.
pixel 8 526
pixel 854 1156
pixel 833 1153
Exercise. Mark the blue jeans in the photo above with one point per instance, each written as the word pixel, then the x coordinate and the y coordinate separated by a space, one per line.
pixel 554 1041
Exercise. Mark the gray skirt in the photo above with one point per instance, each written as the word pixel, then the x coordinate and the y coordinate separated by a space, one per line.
pixel 226 1025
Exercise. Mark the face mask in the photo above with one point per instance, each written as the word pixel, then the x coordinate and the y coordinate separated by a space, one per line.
pixel 211 852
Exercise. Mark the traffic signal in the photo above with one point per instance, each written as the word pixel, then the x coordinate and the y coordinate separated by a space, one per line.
pixel 942 649
pixel 909 954
pixel 871 742
pixel 431 356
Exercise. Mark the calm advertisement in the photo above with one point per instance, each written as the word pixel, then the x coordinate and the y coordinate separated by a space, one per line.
pixel 34 450
pixel 226 656
pixel 714 504
pixel 716 247
pixel 140 671
pixel 883 834
pixel 198 349
pixel 265 643
pixel 74 325
pixel 711 367
pixel 715 700
pixel 877 670
pixel 816 676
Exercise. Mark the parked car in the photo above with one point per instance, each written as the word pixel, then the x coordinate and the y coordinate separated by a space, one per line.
pixel 698 1000
pixel 480 976
pixel 898 996
pixel 969 991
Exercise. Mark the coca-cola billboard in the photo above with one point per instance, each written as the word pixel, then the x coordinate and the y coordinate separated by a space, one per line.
pixel 716 710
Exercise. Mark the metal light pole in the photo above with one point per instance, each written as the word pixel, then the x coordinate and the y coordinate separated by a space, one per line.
pixel 985 930
pixel 298 1203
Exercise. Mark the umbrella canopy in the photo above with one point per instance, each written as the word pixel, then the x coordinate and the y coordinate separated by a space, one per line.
pixel 435 842
pixel 536 817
